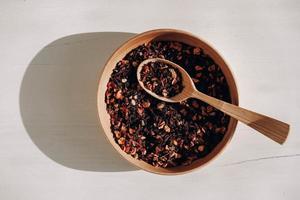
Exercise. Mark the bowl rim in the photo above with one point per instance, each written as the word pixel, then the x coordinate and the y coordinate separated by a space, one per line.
pixel 234 98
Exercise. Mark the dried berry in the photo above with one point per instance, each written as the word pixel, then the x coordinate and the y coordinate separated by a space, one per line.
pixel 146 104
pixel 196 51
pixel 167 129
pixel 119 95
pixel 201 148
pixel 160 105
pixel 121 141
pixel 198 68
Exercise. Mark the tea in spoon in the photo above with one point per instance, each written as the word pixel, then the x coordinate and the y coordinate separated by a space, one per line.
pixel 272 128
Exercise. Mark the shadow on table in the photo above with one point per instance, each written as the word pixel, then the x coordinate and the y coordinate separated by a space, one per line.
pixel 58 101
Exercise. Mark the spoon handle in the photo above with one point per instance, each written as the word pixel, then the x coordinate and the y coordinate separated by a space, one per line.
pixel 272 128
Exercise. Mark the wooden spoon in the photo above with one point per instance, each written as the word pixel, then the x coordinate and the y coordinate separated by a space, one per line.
pixel 272 128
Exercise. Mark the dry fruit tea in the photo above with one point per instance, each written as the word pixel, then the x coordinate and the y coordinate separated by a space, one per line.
pixel 166 134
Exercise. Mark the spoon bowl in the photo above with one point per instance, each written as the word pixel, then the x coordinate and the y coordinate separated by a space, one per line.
pixel 188 84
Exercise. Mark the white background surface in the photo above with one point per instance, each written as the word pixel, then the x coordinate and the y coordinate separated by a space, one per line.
pixel 51 146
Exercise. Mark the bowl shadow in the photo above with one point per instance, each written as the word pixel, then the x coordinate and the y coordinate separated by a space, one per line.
pixel 58 101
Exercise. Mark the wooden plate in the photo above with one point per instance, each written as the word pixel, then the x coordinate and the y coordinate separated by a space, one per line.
pixel 172 35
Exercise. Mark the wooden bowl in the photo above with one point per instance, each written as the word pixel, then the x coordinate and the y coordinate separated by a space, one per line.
pixel 172 35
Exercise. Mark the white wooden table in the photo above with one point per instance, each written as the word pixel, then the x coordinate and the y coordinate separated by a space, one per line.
pixel 51 145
